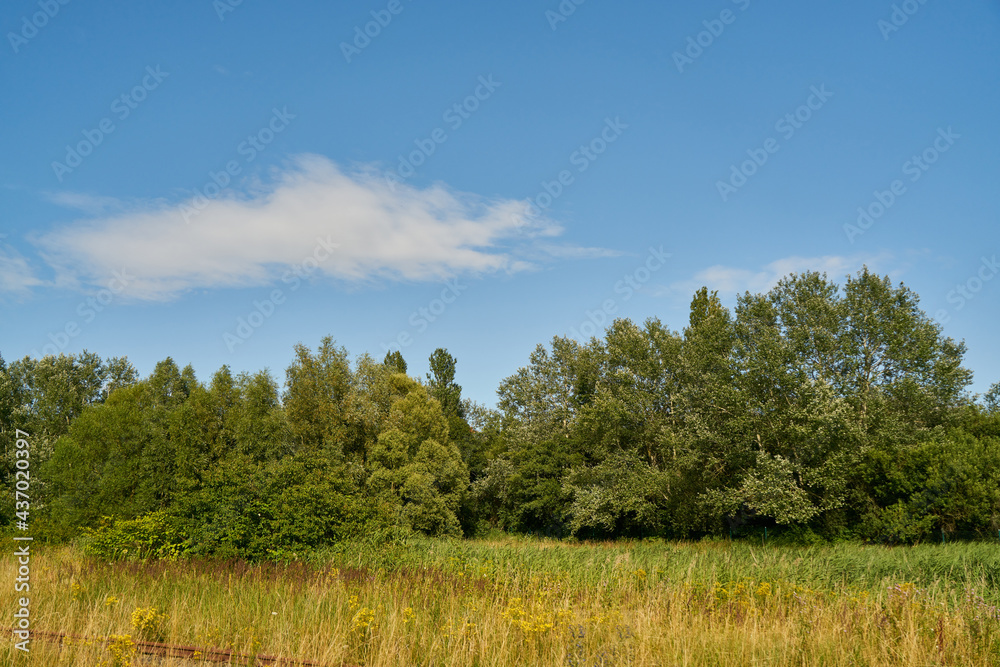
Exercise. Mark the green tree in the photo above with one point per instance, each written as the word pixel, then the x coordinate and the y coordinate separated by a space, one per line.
pixel 53 391
pixel 795 449
pixel 118 372
pixel 710 442
pixel 395 362
pixel 415 464
pixel 368 406
pixel 116 460
pixel 832 380
pixel 540 405
pixel 441 382
pixel 626 431
pixel 443 388
pixel 992 399
pixel 276 509
pixel 170 385
pixel 259 425
pixel 317 387
pixel 542 399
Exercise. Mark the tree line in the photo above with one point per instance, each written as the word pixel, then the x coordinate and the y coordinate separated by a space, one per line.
pixel 823 410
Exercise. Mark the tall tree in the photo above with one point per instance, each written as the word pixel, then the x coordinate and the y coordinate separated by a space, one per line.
pixel 54 390
pixel 541 407
pixel 415 463
pixel 542 399
pixel 394 361
pixel 117 460
pixel 317 387
pixel 441 381
pixel 118 372
pixel 896 356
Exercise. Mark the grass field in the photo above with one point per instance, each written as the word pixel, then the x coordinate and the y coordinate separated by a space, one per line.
pixel 529 602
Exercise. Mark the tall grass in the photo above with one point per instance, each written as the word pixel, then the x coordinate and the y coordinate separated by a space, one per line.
pixel 533 602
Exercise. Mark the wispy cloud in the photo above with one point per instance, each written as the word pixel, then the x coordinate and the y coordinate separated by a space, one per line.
pixel 382 233
pixel 16 275
pixel 574 252
pixel 731 281
pixel 89 204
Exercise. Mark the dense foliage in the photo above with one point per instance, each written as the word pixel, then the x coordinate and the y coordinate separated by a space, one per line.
pixel 828 411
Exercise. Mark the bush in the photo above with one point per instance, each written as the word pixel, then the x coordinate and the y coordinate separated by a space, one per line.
pixel 278 510
pixel 154 535
pixel 799 536
pixel 895 525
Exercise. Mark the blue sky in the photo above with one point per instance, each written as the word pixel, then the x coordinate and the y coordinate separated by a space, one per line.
pixel 217 181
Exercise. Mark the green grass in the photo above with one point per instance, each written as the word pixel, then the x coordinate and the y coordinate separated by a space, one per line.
pixel 509 601
pixel 590 564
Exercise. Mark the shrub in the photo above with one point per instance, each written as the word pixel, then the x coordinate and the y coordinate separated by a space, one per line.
pixel 895 525
pixel 154 535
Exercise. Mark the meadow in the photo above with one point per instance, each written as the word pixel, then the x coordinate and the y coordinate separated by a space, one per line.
pixel 523 601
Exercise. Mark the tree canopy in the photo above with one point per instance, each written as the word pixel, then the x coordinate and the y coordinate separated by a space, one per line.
pixel 839 410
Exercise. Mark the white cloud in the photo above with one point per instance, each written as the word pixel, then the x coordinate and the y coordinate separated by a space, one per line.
pixel 573 252
pixel 89 204
pixel 16 276
pixel 732 281
pixel 400 233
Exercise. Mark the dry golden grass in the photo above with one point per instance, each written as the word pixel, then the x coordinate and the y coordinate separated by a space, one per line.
pixel 513 603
